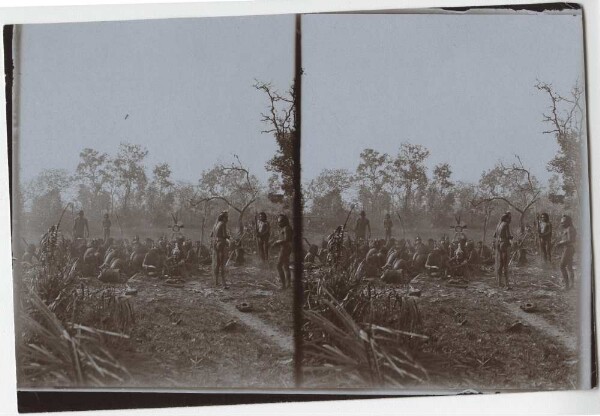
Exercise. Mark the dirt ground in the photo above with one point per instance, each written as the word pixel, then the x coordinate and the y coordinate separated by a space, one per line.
pixel 481 339
pixel 195 337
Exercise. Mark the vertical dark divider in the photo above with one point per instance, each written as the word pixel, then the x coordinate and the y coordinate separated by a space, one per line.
pixel 298 290
pixel 593 300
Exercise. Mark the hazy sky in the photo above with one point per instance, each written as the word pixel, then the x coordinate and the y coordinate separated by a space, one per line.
pixel 460 85
pixel 186 85
pixel 463 86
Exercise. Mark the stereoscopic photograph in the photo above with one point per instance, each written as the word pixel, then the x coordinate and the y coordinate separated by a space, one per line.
pixel 446 217
pixel 393 203
pixel 152 203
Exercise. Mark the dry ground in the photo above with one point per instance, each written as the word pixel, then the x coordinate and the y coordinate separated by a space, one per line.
pixel 480 338
pixel 180 339
pixel 474 342
pixel 194 337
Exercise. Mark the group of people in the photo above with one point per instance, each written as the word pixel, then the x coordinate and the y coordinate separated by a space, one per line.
pixel 567 240
pixel 221 242
pixel 179 256
pixel 460 257
pixel 176 257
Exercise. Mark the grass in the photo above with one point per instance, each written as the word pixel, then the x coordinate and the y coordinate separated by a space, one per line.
pixel 361 331
pixel 368 354
pixel 65 329
pixel 54 354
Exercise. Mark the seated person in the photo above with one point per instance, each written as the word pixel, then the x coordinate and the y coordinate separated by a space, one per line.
pixel 459 266
pixel 191 257
pixel 153 261
pixel 136 260
pixel 420 255
pixel 175 263
pixel 437 262
pixel 30 256
pixel 312 255
pixel 472 254
pixel 90 260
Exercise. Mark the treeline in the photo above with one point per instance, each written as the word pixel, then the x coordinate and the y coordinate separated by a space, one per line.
pixel 122 186
pixel 401 185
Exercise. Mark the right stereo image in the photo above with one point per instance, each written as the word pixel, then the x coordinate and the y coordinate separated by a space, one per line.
pixel 446 212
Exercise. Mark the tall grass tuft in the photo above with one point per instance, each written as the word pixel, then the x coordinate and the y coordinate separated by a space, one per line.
pixel 65 328
pixel 368 354
pixel 54 354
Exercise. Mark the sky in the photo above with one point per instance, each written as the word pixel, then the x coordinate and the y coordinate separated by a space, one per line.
pixel 181 87
pixel 461 85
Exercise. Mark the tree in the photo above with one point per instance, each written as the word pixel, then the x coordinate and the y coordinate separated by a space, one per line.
pixel 513 184
pixel 441 177
pixel 439 194
pixel 92 171
pixel 182 192
pixel 45 193
pixel 326 192
pixel 410 171
pixel 281 119
pixel 233 185
pixel 567 118
pixel 160 193
pixel 162 176
pixel 373 176
pixel 129 171
pixel 48 180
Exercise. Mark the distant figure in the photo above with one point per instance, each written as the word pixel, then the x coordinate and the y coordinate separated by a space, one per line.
pixel 568 239
pixel 473 259
pixel 80 227
pixel 486 257
pixel 220 237
pixel 502 238
pixel 285 250
pixel 545 234
pixel 362 226
pixel 387 226
pixel 106 227
pixel 263 233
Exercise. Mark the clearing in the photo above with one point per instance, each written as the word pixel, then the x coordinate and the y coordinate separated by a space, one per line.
pixel 194 336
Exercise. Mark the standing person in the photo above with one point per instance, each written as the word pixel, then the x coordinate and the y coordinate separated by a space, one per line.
pixel 263 233
pixel 362 226
pixel 502 238
pixel 545 234
pixel 568 238
pixel 387 226
pixel 285 249
pixel 106 227
pixel 220 238
pixel 80 227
